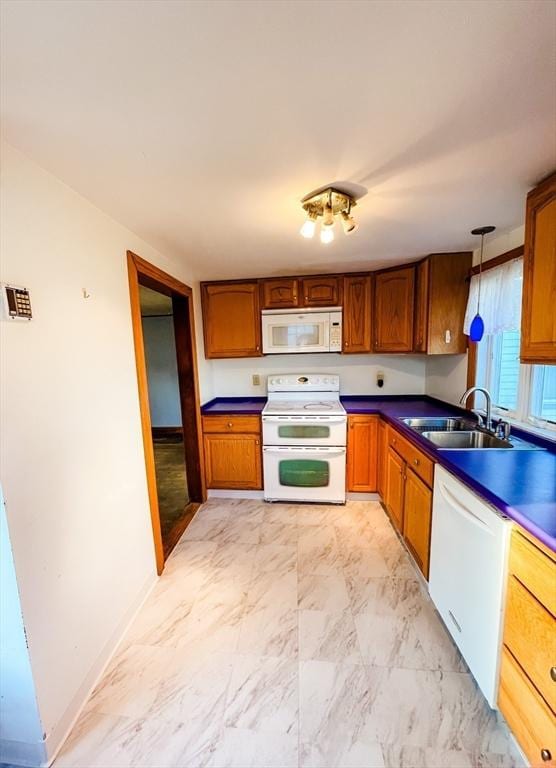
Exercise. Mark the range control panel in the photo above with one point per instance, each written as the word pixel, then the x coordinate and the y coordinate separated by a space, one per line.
pixel 296 382
pixel 17 302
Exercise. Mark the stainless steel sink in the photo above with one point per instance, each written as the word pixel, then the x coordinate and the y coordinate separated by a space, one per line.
pixel 441 424
pixel 466 439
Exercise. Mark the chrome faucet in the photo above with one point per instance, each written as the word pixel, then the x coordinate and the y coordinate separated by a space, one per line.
pixel 482 422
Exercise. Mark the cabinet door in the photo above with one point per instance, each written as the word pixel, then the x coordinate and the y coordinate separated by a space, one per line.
pixel 538 324
pixel 321 291
pixel 417 519
pixel 231 319
pixel 421 307
pixel 233 461
pixel 394 487
pixel 362 453
pixel 393 310
pixel 357 314
pixel 382 449
pixel 282 293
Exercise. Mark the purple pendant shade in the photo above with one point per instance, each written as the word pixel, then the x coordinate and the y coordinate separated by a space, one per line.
pixel 477 327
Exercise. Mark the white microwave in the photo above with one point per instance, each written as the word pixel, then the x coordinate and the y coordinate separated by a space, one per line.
pixel 306 330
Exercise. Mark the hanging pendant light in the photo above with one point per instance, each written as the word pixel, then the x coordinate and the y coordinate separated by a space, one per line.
pixel 477 327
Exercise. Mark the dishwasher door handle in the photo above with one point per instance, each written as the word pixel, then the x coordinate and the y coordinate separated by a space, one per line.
pixel 459 507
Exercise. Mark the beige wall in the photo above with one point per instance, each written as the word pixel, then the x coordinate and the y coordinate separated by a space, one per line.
pixel 71 455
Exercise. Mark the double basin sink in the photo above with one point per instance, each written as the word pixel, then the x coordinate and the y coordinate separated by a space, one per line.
pixel 458 433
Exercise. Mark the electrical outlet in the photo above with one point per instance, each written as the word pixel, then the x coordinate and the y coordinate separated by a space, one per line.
pixel 256 379
pixel 380 379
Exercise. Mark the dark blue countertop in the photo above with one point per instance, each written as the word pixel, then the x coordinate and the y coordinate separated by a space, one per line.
pixel 520 483
pixel 247 405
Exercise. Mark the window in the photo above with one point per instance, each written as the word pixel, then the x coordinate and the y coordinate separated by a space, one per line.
pixel 521 393
pixel 543 393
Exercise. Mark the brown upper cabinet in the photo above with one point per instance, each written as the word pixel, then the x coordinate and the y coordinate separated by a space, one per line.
pixel 441 293
pixel 231 319
pixel 421 317
pixel 357 314
pixel 538 324
pixel 394 294
pixel 321 291
pixel 280 293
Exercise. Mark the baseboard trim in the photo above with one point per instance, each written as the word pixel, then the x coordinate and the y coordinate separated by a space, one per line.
pixel 58 735
pixel 167 431
pixel 351 496
pixel 223 494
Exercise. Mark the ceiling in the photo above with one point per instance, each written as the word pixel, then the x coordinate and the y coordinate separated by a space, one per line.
pixel 153 303
pixel 201 125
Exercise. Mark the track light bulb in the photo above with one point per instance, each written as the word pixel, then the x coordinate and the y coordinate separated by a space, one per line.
pixel 327 234
pixel 348 223
pixel 327 216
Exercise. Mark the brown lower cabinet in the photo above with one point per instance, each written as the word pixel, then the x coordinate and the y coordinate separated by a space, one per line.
pixel 382 447
pixel 527 697
pixel 394 487
pixel 362 453
pixel 408 496
pixel 232 447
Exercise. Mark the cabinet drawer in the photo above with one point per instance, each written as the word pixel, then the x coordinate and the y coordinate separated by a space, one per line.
pixel 527 714
pixel 232 424
pixel 530 634
pixel 416 460
pixel 535 569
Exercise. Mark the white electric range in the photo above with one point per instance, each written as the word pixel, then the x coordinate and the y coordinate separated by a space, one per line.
pixel 304 439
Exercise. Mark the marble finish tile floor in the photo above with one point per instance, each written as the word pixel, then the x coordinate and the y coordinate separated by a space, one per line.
pixel 288 636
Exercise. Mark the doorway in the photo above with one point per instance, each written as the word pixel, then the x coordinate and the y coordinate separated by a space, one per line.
pixel 164 337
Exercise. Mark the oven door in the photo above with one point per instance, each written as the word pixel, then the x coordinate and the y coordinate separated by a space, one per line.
pixel 286 333
pixel 304 430
pixel 305 474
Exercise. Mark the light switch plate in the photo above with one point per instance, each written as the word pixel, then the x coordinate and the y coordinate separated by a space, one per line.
pixel 256 380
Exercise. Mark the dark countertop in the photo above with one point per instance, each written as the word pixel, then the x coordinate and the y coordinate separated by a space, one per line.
pixel 247 405
pixel 520 483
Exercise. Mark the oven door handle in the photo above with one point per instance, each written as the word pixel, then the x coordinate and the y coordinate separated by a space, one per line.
pixel 326 451
pixel 305 420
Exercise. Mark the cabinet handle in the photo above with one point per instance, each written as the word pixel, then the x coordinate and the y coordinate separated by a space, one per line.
pixel 546 755
pixel 553 673
pixel 346 344
pixel 256 442
pixel 257 347
pixel 394 441
pixel 416 462
pixel 230 424
pixel 306 298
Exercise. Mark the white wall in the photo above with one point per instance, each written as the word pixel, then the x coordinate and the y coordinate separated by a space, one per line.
pixel 71 456
pixel 447 374
pixel 20 726
pixel 403 374
pixel 162 371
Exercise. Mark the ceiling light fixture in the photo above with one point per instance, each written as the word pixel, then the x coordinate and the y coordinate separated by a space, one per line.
pixel 308 228
pixel 327 235
pixel 328 204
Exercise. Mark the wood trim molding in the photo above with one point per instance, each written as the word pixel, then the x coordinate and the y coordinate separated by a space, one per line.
pixel 497 261
pixel 144 273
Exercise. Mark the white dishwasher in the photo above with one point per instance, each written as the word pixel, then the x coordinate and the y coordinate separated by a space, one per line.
pixel 467 580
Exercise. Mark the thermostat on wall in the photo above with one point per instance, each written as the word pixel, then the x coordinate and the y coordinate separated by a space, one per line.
pixel 17 302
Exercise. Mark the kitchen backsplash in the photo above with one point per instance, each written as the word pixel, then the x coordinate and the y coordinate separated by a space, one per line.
pixel 358 373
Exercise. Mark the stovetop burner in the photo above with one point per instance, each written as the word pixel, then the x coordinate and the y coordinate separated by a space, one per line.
pixel 319 406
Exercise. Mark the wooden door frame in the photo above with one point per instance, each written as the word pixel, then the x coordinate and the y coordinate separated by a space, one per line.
pixel 141 272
